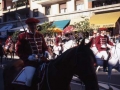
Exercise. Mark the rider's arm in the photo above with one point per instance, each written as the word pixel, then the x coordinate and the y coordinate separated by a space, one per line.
pixel 97 43
pixel 21 48
pixel 109 42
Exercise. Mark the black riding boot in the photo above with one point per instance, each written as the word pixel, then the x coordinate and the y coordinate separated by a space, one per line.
pixel 105 63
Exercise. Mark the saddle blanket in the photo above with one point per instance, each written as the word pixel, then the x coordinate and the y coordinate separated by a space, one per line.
pixel 25 76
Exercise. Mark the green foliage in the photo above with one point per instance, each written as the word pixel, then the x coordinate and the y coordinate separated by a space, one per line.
pixel 44 27
pixel 82 26
pixel 15 36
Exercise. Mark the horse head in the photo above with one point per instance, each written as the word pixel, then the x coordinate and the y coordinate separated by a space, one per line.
pixel 78 61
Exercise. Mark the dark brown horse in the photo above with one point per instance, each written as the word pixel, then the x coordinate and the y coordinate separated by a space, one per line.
pixel 59 72
pixel 10 50
pixel 1 54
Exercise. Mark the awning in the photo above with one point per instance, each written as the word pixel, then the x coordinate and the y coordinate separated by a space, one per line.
pixel 105 20
pixel 18 28
pixel 55 29
pixel 6 27
pixel 61 24
pixel 68 29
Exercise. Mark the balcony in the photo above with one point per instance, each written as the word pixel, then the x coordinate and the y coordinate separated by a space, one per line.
pixel 16 6
pixel 46 2
pixel 14 9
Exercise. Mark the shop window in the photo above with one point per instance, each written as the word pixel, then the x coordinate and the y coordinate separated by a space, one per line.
pixel 35 12
pixel 47 10
pixel 63 8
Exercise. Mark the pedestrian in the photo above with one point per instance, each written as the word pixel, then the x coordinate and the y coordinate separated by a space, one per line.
pixel 102 42
pixel 32 49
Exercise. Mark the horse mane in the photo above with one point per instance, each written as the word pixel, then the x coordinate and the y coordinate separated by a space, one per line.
pixel 70 54
pixel 64 55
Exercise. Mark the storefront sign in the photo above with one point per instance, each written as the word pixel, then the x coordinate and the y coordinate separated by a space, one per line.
pixel 105 25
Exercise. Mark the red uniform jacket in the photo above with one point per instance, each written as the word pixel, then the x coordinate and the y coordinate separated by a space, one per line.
pixel 93 39
pixel 29 44
pixel 102 40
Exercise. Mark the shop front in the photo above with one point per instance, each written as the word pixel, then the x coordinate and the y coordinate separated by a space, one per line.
pixel 106 20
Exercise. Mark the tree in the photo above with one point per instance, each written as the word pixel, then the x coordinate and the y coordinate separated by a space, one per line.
pixel 82 26
pixel 44 27
pixel 15 36
pixel 44 30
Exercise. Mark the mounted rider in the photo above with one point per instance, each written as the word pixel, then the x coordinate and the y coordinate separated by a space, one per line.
pixel 32 49
pixel 8 42
pixel 102 43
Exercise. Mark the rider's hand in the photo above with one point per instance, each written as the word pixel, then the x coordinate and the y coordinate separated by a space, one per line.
pixel 32 57
pixel 46 54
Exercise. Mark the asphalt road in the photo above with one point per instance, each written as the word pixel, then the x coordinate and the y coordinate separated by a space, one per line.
pixel 102 81
pixel 75 83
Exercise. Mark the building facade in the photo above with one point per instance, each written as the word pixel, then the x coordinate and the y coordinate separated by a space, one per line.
pixel 53 10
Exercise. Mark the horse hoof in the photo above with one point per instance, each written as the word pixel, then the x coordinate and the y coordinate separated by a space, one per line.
pixel 105 70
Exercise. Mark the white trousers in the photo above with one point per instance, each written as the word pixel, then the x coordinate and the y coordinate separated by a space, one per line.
pixel 102 54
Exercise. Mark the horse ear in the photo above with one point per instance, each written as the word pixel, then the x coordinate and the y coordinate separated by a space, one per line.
pixel 89 44
pixel 82 42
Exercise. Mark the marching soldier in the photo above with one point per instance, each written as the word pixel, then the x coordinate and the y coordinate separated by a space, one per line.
pixel 102 42
pixel 93 39
pixel 31 48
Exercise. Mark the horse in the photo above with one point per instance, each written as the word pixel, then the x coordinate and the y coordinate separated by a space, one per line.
pixel 10 50
pixel 1 55
pixel 113 61
pixel 78 61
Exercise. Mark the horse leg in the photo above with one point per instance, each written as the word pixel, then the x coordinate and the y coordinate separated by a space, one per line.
pixel 97 68
pixel 13 55
pixel 109 74
pixel 0 61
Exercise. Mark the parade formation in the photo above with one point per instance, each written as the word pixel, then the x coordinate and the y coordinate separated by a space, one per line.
pixel 36 51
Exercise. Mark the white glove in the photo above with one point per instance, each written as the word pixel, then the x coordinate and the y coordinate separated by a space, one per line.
pixel 32 57
pixel 46 54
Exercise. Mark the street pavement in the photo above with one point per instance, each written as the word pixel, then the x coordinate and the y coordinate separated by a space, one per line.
pixel 77 85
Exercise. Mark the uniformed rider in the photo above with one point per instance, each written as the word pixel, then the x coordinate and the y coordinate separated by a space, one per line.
pixel 31 48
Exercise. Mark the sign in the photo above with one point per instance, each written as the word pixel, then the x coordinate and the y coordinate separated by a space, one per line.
pixel 105 25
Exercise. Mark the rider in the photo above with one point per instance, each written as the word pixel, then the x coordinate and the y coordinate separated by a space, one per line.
pixel 8 42
pixel 31 48
pixel 102 43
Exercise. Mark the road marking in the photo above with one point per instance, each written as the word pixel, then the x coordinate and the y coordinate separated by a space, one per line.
pixel 100 84
pixel 107 87
pixel 74 77
pixel 110 83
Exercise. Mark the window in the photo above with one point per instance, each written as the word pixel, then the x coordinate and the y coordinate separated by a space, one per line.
pixel 47 10
pixel 79 5
pixel 35 12
pixel 63 8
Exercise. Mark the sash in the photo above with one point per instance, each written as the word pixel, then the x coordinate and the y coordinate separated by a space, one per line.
pixel 25 76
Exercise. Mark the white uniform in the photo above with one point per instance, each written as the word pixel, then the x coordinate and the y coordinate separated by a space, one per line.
pixel 69 44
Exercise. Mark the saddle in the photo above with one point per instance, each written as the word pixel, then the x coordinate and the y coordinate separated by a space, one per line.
pixel 40 74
